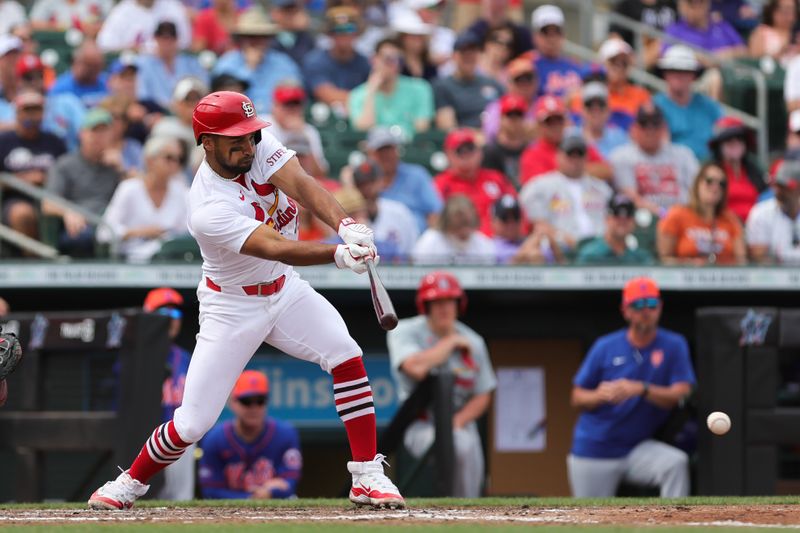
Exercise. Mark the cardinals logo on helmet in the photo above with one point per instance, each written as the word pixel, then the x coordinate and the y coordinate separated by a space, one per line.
pixel 248 109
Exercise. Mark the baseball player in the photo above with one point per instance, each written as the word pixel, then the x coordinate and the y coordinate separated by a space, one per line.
pixel 626 387
pixel 253 456
pixel 179 476
pixel 435 341
pixel 243 204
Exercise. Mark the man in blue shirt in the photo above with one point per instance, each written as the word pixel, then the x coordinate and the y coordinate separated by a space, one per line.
pixel 252 456
pixel 86 78
pixel 558 75
pixel 690 115
pixel 626 387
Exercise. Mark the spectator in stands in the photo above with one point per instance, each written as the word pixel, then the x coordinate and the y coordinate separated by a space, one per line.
pixel 494 14
pixel 131 24
pixel 11 14
pixel 160 71
pixel 288 117
pixel 442 37
pixel 773 226
pixel 412 36
pixel 626 388
pixel 603 135
pixel 791 84
pixel 741 14
pixel 462 96
pixel 228 82
pixel 148 210
pixel 651 170
pixel 465 175
pixel 85 78
pixel 690 115
pixel 253 456
pixel 63 113
pixel 409 184
pixel 558 76
pixel 61 15
pixel 124 147
pixel 733 149
pixel 497 49
pixel 393 223
pixel 624 98
pixel 389 99
pixel 455 239
pixel 28 153
pixel 520 82
pixel 568 200
pixel 435 341
pixel 86 179
pixel 371 30
pixel 511 244
pixel 330 74
pixel 658 14
pixel 212 27
pixel 10 50
pixel 503 153
pixel 294 38
pixel 255 61
pixel 618 245
pixel 179 476
pixel 775 36
pixel 696 26
pixel 704 231
pixel 540 157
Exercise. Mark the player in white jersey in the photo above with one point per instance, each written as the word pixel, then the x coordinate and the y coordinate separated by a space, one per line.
pixel 244 217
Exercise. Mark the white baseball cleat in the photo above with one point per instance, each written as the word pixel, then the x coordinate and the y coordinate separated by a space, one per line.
pixel 119 494
pixel 371 486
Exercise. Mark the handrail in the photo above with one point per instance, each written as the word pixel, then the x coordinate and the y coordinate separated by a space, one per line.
pixel 759 80
pixel 643 77
pixel 40 194
pixel 23 241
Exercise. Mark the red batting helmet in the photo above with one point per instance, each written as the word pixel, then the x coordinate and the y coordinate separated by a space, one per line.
pixel 437 286
pixel 226 113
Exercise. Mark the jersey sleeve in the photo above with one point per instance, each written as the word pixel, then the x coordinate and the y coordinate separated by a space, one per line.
pixel 212 470
pixel 590 373
pixel 402 344
pixel 221 225
pixel 291 463
pixel 271 155
pixel 486 380
pixel 682 370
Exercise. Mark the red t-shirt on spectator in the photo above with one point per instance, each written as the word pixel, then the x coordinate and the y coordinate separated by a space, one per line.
pixel 208 28
pixel 540 158
pixel 742 194
pixel 487 187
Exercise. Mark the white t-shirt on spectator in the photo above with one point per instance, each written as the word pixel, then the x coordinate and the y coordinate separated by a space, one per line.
pixel 11 14
pixel 130 25
pixel 68 14
pixel 768 225
pixel 395 223
pixel 791 83
pixel 436 248
pixel 131 208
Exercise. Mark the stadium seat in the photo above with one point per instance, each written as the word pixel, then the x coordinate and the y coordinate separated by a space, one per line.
pixel 179 249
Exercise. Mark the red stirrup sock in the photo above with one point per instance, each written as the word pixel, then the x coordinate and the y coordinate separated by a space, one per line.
pixel 163 448
pixel 353 397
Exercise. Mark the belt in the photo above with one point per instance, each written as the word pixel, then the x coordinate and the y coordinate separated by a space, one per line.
pixel 259 289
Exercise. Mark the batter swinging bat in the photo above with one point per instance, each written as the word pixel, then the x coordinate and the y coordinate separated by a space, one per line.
pixel 384 309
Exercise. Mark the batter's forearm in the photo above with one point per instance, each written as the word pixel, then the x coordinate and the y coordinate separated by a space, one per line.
pixel 266 243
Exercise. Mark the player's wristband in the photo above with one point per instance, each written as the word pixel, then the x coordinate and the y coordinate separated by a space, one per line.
pixel 347 221
pixel 645 389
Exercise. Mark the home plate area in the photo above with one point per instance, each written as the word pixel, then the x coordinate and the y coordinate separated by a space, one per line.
pixel 779 516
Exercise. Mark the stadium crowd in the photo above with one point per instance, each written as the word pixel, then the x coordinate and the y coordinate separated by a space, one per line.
pixel 476 142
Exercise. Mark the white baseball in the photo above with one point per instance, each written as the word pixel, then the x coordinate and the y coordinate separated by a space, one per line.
pixel 718 422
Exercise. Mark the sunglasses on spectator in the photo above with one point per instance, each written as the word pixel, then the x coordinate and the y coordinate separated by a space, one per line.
pixel 172 158
pixel 551 30
pixel 644 303
pixel 32 76
pixel 504 42
pixel 555 120
pixel 576 153
pixel 171 312
pixel 390 59
pixel 595 103
pixel 715 180
pixel 293 103
pixel 623 212
pixel 466 149
pixel 249 401
pixel 650 123
pixel 515 114
pixel 619 62
pixel 524 78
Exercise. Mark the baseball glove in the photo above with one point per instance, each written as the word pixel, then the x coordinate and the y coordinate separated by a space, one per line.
pixel 10 353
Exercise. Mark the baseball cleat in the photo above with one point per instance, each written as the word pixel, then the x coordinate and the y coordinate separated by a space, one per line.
pixel 119 494
pixel 372 487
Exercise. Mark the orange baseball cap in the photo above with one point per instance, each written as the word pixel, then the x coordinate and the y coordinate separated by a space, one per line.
pixel 251 383
pixel 639 288
pixel 161 297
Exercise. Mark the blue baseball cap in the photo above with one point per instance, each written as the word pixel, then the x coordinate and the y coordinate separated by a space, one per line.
pixel 466 40
pixel 123 62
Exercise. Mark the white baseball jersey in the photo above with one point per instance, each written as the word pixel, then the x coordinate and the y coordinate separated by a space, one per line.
pixel 224 212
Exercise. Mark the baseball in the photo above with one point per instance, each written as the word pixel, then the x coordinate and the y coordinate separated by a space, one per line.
pixel 718 422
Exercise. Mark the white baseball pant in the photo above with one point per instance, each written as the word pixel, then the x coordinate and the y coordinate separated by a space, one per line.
pixel 651 463
pixel 297 320
pixel 468 474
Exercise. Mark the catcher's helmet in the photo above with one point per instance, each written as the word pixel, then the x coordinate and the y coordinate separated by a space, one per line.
pixel 226 113
pixel 437 286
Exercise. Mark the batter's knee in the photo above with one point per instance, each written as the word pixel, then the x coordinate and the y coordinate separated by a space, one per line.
pixel 191 428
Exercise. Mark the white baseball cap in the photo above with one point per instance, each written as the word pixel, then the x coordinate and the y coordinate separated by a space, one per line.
pixel 407 21
pixel 594 90
pixel 679 57
pixel 547 15
pixel 185 86
pixel 420 4
pixel 9 43
pixel 614 47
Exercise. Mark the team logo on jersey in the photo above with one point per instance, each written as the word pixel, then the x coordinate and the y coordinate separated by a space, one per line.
pixel 248 109
pixel 241 196
pixel 656 358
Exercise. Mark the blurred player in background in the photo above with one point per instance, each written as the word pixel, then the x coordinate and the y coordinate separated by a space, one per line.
pixel 435 341
pixel 252 456
pixel 626 388
pixel 179 476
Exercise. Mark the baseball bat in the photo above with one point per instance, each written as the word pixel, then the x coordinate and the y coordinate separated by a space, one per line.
pixel 384 309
